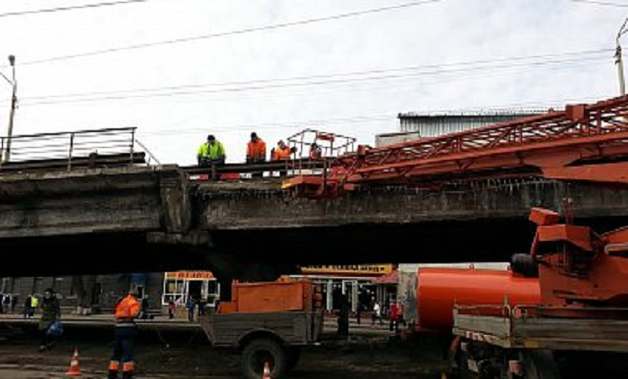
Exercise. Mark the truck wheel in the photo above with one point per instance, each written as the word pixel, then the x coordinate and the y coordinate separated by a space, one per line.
pixel 294 354
pixel 261 351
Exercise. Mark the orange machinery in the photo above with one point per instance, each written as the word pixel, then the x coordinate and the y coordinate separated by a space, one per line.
pixel 438 289
pixel 283 295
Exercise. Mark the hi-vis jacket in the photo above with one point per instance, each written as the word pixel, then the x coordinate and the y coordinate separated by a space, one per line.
pixel 127 309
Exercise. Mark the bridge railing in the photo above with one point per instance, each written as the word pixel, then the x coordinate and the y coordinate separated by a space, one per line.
pixel 117 146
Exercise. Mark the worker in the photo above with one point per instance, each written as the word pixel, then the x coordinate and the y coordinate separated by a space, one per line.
pixel 51 312
pixel 256 152
pixel 282 151
pixel 125 333
pixel 315 151
pixel 211 153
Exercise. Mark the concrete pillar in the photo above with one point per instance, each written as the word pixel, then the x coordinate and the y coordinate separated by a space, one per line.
pixel 354 296
pixel 330 299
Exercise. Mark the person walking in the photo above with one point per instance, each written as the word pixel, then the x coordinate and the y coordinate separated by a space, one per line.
pixel 27 307
pixel 211 153
pixel 393 317
pixel 191 304
pixel 172 308
pixel 377 314
pixel 50 313
pixel 125 334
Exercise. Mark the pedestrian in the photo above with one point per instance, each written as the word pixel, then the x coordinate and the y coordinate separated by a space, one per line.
pixel 27 307
pixel 13 303
pixel 34 305
pixel 144 308
pixel 7 303
pixel 377 314
pixel 392 317
pixel 211 153
pixel 343 316
pixel 1 303
pixel 172 308
pixel 50 313
pixel 202 307
pixel 191 305
pixel 125 334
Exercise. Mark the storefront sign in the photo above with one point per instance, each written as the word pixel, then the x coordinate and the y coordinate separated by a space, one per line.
pixel 190 275
pixel 374 270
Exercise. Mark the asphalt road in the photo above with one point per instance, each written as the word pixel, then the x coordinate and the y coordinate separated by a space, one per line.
pixel 185 352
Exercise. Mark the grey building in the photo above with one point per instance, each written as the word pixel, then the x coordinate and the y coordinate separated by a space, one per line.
pixel 424 125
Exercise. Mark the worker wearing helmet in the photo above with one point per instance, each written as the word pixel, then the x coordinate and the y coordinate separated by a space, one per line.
pixel 125 333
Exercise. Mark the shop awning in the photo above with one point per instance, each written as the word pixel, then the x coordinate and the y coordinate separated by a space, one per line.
pixel 390 278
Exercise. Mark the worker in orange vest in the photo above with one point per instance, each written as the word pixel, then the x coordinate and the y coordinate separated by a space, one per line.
pixel 125 334
pixel 256 152
pixel 282 151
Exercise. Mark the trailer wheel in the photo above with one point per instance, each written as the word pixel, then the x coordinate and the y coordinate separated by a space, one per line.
pixel 260 351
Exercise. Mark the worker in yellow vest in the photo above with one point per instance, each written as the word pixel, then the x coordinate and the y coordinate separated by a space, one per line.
pixel 211 153
pixel 125 333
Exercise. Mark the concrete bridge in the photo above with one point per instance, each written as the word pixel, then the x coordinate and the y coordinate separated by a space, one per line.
pixel 154 219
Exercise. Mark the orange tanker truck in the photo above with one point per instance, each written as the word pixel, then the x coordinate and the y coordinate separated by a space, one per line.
pixel 439 289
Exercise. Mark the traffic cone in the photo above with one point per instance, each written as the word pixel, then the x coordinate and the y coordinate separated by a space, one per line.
pixel 266 374
pixel 74 369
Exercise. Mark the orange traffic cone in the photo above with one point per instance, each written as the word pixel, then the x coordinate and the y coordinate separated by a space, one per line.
pixel 266 374
pixel 74 369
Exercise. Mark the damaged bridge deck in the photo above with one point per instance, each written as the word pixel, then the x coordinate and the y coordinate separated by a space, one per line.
pixel 154 218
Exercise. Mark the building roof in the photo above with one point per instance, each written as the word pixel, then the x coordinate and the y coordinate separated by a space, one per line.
pixel 474 113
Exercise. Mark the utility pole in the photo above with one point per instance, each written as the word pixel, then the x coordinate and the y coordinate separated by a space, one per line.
pixel 619 61
pixel 7 151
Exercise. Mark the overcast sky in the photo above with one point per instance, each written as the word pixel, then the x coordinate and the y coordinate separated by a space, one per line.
pixel 275 67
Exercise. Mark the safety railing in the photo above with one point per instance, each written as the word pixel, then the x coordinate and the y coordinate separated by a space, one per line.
pixel 114 145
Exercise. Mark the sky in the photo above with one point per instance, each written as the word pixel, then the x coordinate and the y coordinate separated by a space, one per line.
pixel 179 70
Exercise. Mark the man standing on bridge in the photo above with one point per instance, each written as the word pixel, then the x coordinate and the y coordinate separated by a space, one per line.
pixel 125 334
pixel 211 153
pixel 256 152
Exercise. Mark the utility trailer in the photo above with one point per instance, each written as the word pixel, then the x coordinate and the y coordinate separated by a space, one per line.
pixel 537 342
pixel 268 323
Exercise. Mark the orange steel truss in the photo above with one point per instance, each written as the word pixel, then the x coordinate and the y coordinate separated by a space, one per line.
pixel 583 142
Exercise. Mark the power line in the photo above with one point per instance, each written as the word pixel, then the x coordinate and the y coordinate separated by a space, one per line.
pixel 231 33
pixel 69 8
pixel 601 3
pixel 81 98
pixel 331 75
pixel 541 104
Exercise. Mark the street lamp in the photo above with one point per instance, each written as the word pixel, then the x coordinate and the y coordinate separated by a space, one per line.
pixel 7 151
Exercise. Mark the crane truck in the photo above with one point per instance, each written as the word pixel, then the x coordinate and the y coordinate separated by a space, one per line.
pixel 579 326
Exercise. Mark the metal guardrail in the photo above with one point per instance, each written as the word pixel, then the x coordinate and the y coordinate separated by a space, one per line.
pixel 68 147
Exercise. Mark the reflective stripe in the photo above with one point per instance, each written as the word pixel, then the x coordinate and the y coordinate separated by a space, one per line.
pixel 114 365
pixel 128 366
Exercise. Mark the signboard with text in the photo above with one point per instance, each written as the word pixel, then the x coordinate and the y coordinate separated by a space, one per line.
pixel 367 269
pixel 190 275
